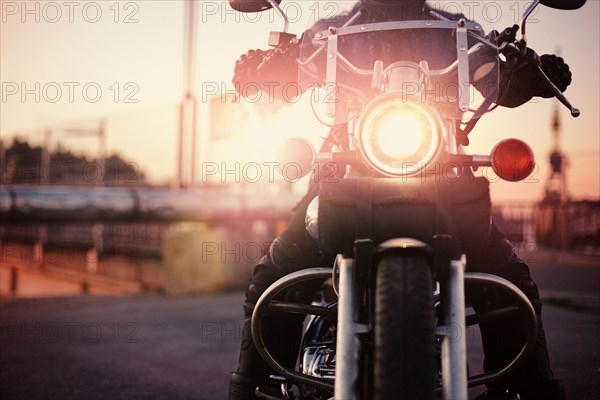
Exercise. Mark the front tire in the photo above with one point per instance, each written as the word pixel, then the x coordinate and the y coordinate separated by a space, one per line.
pixel 404 363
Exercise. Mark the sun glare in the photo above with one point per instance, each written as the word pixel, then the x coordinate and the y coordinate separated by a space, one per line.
pixel 265 132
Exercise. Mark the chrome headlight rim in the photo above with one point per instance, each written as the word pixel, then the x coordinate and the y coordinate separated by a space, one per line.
pixel 375 108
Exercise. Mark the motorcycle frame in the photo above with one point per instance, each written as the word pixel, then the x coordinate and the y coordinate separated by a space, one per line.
pixel 452 279
pixel 329 40
pixel 450 273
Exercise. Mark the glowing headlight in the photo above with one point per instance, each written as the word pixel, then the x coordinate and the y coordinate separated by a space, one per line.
pixel 399 137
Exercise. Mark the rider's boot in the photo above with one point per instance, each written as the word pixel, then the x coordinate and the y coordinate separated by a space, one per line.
pixel 252 371
pixel 282 333
pixel 241 387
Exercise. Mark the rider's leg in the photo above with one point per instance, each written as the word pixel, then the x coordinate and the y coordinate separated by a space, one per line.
pixel 292 251
pixel 281 331
pixel 503 338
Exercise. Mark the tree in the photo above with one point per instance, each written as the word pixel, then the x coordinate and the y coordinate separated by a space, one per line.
pixel 23 163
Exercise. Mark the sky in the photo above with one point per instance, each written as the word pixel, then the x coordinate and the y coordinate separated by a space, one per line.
pixel 66 65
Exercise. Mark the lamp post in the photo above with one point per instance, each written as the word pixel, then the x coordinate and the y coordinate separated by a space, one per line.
pixel 188 106
pixel 100 132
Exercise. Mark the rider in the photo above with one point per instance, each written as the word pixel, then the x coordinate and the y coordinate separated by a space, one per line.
pixel 501 340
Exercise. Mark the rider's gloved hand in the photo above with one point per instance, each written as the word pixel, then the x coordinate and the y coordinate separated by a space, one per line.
pixel 280 65
pixel 271 71
pixel 558 71
pixel 521 80
pixel 245 76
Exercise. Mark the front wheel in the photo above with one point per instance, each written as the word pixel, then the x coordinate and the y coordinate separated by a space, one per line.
pixel 404 363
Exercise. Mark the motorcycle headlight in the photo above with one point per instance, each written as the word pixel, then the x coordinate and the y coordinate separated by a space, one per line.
pixel 398 137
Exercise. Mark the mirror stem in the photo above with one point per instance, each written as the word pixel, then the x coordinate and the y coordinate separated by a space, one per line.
pixel 526 15
pixel 286 22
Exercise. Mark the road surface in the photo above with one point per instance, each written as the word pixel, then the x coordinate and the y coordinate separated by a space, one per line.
pixel 153 347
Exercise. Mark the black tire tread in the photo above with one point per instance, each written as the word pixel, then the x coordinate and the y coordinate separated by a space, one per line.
pixel 404 365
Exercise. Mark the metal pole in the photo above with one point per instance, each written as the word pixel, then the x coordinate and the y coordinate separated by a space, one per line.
pixel 102 139
pixel 3 163
pixel 187 133
pixel 179 178
pixel 190 88
pixel 45 167
pixel 194 140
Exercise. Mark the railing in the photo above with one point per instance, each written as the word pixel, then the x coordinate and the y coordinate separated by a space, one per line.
pixel 79 204
pixel 572 226
pixel 127 228
pixel 109 226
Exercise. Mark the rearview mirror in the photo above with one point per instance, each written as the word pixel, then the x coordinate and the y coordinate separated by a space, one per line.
pixel 251 6
pixel 563 4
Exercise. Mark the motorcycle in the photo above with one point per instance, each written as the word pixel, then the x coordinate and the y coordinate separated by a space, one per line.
pixel 397 327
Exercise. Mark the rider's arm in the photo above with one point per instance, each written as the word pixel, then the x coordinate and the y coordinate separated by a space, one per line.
pixel 271 70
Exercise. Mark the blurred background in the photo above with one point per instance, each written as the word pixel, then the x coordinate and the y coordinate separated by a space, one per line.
pixel 120 131
pixel 129 167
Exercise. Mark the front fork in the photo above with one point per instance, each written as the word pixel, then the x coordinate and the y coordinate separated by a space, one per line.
pixel 453 332
pixel 348 345
pixel 452 277
pixel 454 346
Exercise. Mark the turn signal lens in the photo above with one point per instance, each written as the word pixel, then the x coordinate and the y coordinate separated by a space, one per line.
pixel 295 158
pixel 512 160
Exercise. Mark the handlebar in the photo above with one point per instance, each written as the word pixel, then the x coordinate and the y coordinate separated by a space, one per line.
pixel 558 94
pixel 521 51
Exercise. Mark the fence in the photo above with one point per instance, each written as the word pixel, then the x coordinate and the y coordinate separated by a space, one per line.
pixel 111 230
pixel 573 226
pixel 132 235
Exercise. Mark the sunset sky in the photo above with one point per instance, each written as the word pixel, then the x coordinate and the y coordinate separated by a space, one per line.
pixel 123 62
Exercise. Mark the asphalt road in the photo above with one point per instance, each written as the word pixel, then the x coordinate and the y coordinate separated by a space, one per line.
pixel 152 347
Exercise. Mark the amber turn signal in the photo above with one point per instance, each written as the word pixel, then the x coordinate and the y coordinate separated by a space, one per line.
pixel 295 158
pixel 512 160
